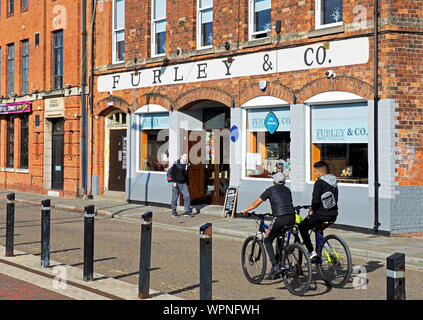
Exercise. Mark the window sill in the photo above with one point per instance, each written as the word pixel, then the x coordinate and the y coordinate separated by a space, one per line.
pixel 325 31
pixel 116 65
pixel 256 42
pixel 8 169
pixel 19 170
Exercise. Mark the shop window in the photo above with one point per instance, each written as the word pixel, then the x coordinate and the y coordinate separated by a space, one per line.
pixel 268 142
pixel 10 143
pixel 340 138
pixel 118 31
pixel 328 13
pixel 260 18
pixel 204 23
pixel 158 29
pixel 154 137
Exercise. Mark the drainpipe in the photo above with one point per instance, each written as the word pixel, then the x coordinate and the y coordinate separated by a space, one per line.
pixel 93 16
pixel 376 106
pixel 83 100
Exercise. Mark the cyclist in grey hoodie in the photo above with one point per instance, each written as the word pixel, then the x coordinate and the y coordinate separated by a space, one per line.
pixel 320 212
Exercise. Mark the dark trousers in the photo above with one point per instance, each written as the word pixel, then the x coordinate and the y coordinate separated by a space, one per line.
pixel 309 223
pixel 275 229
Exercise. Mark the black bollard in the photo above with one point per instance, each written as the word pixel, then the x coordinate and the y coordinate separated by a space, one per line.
pixel 145 256
pixel 10 224
pixel 395 273
pixel 206 262
pixel 88 242
pixel 45 233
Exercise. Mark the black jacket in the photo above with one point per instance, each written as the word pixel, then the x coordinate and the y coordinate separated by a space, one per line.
pixel 325 183
pixel 178 173
pixel 280 198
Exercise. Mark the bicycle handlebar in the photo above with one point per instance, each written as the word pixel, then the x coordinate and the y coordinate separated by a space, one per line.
pixel 302 207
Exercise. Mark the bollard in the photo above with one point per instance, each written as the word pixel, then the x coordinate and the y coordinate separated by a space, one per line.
pixel 206 262
pixel 395 272
pixel 145 256
pixel 10 224
pixel 45 233
pixel 88 242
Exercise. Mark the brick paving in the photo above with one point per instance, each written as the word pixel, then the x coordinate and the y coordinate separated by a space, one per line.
pixel 14 289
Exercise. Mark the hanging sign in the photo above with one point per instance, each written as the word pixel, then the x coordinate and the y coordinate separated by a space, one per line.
pixel 271 122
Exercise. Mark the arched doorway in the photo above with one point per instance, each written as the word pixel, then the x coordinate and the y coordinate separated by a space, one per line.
pixel 205 137
pixel 115 151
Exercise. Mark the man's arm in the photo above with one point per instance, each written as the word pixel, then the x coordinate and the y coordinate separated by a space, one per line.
pixel 252 206
pixel 315 201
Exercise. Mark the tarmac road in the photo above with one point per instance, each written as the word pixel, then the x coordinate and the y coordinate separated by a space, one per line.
pixel 175 256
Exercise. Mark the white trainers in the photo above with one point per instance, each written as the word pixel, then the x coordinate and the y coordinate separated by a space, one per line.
pixel 313 255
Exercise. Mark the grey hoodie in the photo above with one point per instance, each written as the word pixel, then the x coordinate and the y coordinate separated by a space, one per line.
pixel 325 183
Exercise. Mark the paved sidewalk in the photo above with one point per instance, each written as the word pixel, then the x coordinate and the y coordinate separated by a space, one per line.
pixel 22 278
pixel 361 245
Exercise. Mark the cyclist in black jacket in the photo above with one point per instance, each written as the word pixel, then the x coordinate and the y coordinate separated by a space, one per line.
pixel 318 214
pixel 280 198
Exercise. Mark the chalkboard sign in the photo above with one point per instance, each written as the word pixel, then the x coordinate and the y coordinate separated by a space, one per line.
pixel 230 202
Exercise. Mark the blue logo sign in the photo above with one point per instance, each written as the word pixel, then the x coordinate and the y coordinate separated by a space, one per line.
pixel 234 132
pixel 271 122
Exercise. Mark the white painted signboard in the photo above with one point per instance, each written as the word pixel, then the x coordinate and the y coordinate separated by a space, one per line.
pixel 321 55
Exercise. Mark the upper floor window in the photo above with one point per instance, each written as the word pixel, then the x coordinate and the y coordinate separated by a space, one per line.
pixel 328 13
pixel 58 59
pixel 158 28
pixel 10 69
pixel 118 31
pixel 10 6
pixel 24 4
pixel 25 67
pixel 204 23
pixel 259 18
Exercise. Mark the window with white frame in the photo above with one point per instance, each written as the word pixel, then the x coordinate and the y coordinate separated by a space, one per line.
pixel 118 31
pixel 204 23
pixel 328 13
pixel 259 18
pixel 158 28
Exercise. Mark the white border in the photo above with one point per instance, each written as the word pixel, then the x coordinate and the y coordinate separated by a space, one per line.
pixel 251 33
pixel 318 17
pixel 199 23
pixel 138 114
pixel 153 30
pixel 114 31
pixel 319 99
pixel 257 103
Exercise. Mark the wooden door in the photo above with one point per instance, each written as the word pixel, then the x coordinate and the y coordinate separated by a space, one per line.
pixel 117 166
pixel 196 177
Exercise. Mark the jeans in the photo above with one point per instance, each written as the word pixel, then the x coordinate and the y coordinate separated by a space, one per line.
pixel 183 188
pixel 309 223
pixel 275 230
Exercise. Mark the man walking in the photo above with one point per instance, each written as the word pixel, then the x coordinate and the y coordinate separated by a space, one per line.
pixel 179 176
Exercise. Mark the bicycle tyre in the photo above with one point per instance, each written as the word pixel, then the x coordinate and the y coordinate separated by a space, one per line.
pixel 298 277
pixel 332 261
pixel 253 260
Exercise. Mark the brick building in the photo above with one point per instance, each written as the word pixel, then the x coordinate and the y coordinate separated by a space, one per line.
pixel 264 85
pixel 40 67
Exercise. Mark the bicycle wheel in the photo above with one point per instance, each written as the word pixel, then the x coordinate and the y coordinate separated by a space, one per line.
pixel 297 269
pixel 335 266
pixel 253 259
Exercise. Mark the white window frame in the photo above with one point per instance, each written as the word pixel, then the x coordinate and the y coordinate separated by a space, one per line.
pixel 115 32
pixel 146 110
pixel 153 29
pixel 251 34
pixel 318 17
pixel 199 24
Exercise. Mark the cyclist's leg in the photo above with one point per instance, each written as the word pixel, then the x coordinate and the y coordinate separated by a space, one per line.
pixel 304 227
pixel 271 234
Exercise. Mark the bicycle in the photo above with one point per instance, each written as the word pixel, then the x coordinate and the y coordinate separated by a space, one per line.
pixel 333 254
pixel 293 259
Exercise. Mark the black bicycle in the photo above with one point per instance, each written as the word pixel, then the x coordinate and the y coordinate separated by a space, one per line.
pixel 333 254
pixel 293 259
